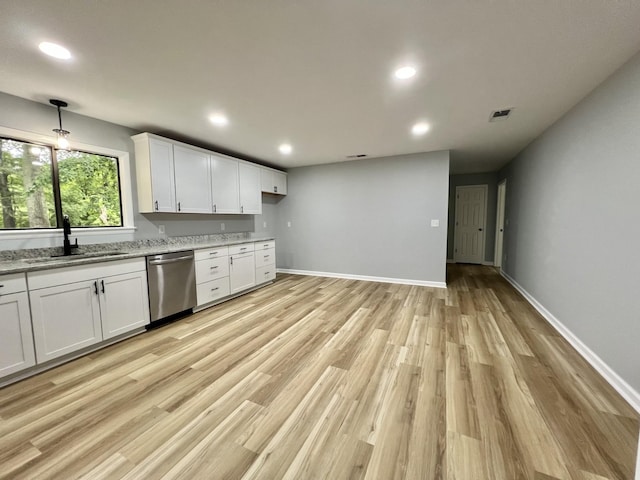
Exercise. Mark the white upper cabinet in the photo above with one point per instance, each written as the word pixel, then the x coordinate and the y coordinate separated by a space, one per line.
pixel 180 178
pixel 225 187
pixel 155 174
pixel 273 181
pixel 193 189
pixel 280 183
pixel 250 189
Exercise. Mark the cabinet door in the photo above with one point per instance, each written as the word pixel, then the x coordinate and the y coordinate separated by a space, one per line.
pixel 242 272
pixel 224 185
pixel 193 189
pixel 162 175
pixel 266 180
pixel 16 337
pixel 250 189
pixel 124 303
pixel 279 183
pixel 65 318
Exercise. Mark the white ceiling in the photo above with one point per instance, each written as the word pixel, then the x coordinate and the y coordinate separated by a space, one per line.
pixel 318 73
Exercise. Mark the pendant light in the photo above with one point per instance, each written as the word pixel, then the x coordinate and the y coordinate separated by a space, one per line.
pixel 63 143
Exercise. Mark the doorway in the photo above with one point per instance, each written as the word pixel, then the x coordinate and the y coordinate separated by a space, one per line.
pixel 470 227
pixel 500 209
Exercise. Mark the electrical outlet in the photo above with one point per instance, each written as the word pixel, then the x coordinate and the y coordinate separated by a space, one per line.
pixel 435 223
pixel 222 227
pixel 289 224
pixel 264 224
pixel 161 229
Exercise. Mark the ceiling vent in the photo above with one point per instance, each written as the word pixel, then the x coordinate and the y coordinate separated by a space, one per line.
pixel 359 155
pixel 498 115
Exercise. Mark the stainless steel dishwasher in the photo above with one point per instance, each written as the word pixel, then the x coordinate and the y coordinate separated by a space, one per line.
pixel 172 283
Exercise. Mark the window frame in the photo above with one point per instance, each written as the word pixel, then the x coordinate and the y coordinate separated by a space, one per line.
pixel 126 194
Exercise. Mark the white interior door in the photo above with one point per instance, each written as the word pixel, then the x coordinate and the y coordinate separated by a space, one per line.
pixel 471 208
pixel 502 190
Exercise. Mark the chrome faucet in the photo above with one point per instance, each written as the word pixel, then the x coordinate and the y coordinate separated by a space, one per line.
pixel 66 228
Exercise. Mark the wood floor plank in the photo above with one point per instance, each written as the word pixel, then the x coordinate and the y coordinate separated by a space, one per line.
pixel 321 378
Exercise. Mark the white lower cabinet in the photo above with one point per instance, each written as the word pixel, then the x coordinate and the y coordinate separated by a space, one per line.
pixel 16 337
pixel 124 304
pixel 66 318
pixel 76 307
pixel 265 261
pixel 212 274
pixel 242 267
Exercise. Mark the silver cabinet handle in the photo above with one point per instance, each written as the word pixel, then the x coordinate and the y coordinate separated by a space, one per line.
pixel 243 248
pixel 156 205
pixel 266 256
pixel 213 253
pixel 214 289
pixel 242 209
pixel 178 206
pixel 214 267
pixel 214 208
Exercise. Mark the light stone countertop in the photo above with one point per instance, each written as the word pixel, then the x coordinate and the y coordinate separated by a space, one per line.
pixel 30 260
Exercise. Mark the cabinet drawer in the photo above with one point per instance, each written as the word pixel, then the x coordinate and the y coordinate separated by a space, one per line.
pixel 212 269
pixel 211 253
pixel 242 248
pixel 213 290
pixel 12 283
pixel 266 245
pixel 265 274
pixel 265 257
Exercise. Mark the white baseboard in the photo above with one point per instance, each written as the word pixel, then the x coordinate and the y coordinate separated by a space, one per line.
pixel 489 264
pixel 617 382
pixel 348 276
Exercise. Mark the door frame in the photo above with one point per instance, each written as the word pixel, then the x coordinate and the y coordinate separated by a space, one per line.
pixel 500 216
pixel 484 222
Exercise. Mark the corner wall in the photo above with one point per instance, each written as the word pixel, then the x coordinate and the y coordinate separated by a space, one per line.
pixel 368 218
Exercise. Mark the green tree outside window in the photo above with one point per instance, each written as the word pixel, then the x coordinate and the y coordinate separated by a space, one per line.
pixel 88 187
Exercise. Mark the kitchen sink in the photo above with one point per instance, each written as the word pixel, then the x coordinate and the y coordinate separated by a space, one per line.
pixel 75 256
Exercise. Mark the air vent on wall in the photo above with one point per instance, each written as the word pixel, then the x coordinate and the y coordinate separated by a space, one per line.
pixel 359 155
pixel 498 115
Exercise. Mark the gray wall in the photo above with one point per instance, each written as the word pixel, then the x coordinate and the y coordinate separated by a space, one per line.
pixel 573 221
pixel 489 179
pixel 26 115
pixel 367 218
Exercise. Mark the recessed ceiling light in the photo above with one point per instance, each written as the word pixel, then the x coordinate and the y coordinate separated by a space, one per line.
pixel 420 128
pixel 55 50
pixel 405 72
pixel 219 120
pixel 285 149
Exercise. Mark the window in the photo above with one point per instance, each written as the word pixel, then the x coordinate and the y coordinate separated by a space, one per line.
pixel 38 185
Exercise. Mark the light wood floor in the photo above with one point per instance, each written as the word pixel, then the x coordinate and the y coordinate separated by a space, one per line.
pixel 324 378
